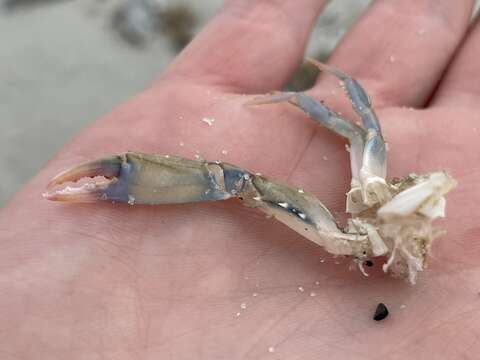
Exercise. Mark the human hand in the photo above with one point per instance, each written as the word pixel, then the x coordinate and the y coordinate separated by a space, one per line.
pixel 86 281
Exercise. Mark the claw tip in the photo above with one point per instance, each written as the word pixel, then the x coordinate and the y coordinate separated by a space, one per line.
pixel 107 167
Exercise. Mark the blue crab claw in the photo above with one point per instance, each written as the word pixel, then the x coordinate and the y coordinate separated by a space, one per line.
pixel 146 179
pixel 107 168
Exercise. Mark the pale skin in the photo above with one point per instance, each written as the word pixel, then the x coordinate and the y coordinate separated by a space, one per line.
pixel 83 281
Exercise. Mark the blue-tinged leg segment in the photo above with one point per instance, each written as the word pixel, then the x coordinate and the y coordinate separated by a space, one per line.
pixel 374 163
pixel 321 114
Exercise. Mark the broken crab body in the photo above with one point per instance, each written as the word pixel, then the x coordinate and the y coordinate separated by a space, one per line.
pixel 392 219
pixel 137 178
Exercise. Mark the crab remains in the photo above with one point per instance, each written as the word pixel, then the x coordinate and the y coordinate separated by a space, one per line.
pixel 390 219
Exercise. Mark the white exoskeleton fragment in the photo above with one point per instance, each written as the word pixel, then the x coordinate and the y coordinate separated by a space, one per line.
pixel 390 219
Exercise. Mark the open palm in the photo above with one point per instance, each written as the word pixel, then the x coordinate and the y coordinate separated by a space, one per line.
pixel 219 281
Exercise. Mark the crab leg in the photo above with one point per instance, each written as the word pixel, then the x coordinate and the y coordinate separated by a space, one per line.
pixel 374 164
pixel 136 178
pixel 326 118
pixel 320 113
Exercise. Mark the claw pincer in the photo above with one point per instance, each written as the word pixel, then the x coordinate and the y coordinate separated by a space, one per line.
pixel 150 179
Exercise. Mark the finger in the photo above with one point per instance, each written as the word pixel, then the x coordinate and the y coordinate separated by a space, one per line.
pixel 399 49
pixel 460 84
pixel 251 46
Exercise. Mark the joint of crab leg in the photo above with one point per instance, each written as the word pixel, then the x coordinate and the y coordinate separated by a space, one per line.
pixel 373 170
pixel 355 204
pixel 305 214
pixel 321 114
pixel 358 96
pixel 378 246
pixel 374 190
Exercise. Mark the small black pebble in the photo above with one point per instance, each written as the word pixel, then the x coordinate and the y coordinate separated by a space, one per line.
pixel 368 263
pixel 381 312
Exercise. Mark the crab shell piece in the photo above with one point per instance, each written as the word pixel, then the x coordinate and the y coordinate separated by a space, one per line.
pixel 406 221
